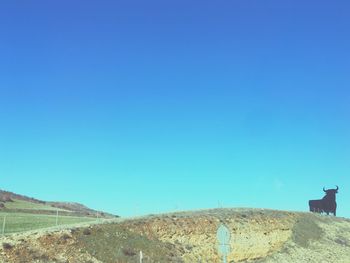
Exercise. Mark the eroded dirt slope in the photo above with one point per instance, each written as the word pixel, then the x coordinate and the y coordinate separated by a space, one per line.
pixel 257 236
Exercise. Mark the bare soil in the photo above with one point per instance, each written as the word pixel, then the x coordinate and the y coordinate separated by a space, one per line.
pixel 258 235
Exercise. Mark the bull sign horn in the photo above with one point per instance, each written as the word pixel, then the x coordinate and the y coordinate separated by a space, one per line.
pixel 324 190
pixel 337 187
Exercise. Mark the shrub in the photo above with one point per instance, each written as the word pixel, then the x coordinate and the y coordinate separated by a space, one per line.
pixel 342 241
pixel 65 236
pixel 7 246
pixel 87 232
pixel 128 252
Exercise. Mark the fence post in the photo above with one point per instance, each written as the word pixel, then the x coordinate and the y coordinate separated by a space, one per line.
pixel 57 217
pixel 141 256
pixel 3 225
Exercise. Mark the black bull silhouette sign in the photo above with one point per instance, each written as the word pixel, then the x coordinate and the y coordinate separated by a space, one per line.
pixel 327 204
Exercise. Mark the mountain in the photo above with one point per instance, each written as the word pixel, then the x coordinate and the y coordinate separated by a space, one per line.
pixel 257 235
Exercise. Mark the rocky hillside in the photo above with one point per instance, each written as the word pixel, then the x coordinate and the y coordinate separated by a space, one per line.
pixel 257 236
pixel 6 196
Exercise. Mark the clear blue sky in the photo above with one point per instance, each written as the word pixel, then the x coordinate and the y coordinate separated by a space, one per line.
pixel 138 107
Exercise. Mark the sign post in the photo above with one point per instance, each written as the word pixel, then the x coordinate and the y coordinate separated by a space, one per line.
pixel 224 236
pixel 141 256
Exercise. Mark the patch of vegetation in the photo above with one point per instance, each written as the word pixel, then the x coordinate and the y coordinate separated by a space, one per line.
pixel 342 241
pixel 306 229
pixel 21 204
pixel 38 256
pixel 112 243
pixel 65 237
pixel 87 232
pixel 20 222
pixel 127 251
pixel 7 246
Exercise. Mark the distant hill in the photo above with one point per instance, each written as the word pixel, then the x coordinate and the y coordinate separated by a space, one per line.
pixel 12 202
pixel 257 235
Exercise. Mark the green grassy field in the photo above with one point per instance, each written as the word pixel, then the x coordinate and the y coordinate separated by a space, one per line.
pixel 19 222
pixel 20 204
